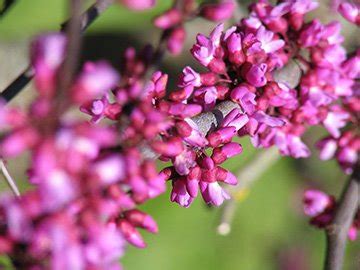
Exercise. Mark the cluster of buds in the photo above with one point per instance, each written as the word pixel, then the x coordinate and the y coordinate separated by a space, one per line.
pixel 172 21
pixel 321 207
pixel 88 178
pixel 286 76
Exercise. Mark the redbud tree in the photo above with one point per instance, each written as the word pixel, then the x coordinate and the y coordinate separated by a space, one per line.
pixel 268 76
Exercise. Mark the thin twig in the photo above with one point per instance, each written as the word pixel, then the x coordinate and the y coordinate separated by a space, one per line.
pixel 26 76
pixel 6 7
pixel 8 178
pixel 247 176
pixel 69 66
pixel 337 231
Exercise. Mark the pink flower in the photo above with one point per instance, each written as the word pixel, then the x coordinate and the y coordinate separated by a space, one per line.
pixel 138 4
pixel 18 141
pixel 105 245
pixel 189 77
pixel 245 98
pixel 334 121
pixel 204 49
pixel 57 189
pixel 130 233
pixel 206 96
pixel 168 19
pixel 302 6
pixel 47 54
pixel 228 150
pixel 184 162
pixel 315 202
pixel 218 12
pixel 221 136
pixel 156 87
pixel 352 233
pixel 213 193
pixel 95 80
pixel 256 75
pixel 180 194
pixel 328 148
pixel 142 220
pixel 110 169
pixel 185 110
pixel 350 11
pixel 291 145
pixel 170 148
pixel 236 55
pixel 347 158
pixel 268 44
pixel 311 34
pixel 176 39
pixel 195 138
pixel 235 119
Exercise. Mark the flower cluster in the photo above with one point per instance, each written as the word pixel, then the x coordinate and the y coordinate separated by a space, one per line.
pixel 257 64
pixel 321 206
pixel 88 178
pixel 172 21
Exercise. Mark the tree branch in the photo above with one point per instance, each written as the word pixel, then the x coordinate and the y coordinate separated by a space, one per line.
pixel 26 76
pixel 9 179
pixel 336 232
pixel 247 176
pixel 6 7
pixel 69 66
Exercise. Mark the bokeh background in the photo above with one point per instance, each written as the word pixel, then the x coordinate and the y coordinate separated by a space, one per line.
pixel 269 229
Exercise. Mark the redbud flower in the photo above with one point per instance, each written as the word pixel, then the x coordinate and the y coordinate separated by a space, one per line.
pixel 213 193
pixel 176 39
pixel 138 4
pixel 221 136
pixel 189 77
pixel 180 194
pixel 47 54
pixel 95 80
pixel 268 44
pixel 244 97
pixel 350 11
pixel 218 12
pixel 315 202
pixel 221 154
pixel 131 234
pixel 168 19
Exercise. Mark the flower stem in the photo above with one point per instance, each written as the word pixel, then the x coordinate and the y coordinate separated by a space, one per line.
pixel 9 179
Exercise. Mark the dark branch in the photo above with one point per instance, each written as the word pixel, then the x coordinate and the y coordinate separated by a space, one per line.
pixel 26 76
pixel 73 34
pixel 6 7
pixel 336 232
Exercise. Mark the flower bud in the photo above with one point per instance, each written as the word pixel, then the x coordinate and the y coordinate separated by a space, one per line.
pixel 220 154
pixel 218 12
pixel 138 4
pixel 176 39
pixel 168 19
pixel 130 233
pixel 223 135
pixel 142 220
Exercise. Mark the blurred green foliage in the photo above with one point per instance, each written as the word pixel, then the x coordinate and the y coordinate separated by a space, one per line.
pixel 29 17
pixel 267 222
